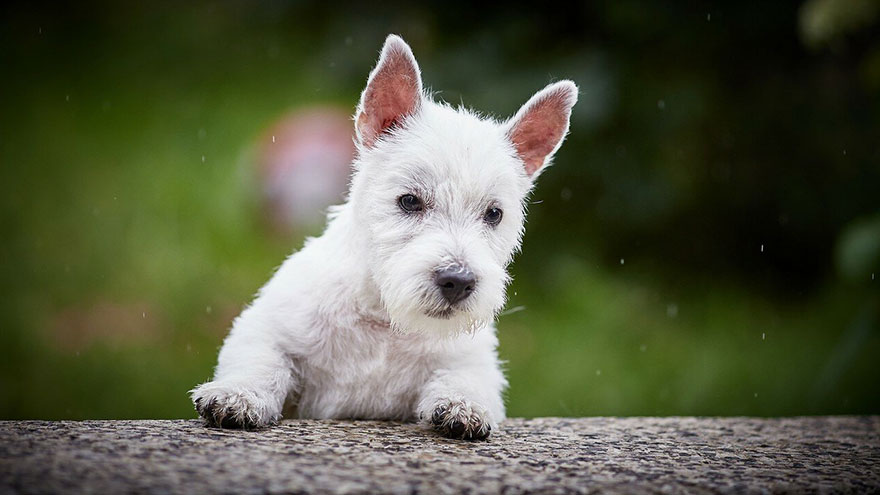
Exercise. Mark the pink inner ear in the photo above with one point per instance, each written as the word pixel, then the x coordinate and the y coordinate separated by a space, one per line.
pixel 393 94
pixel 540 129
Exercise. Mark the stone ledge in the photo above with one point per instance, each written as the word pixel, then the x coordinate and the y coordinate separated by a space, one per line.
pixel 557 455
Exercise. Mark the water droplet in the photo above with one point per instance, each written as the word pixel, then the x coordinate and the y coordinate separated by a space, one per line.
pixel 203 158
pixel 565 194
pixel 661 104
pixel 598 372
pixel 348 41
pixel 208 309
pixel 66 97
pixel 273 139
pixel 763 336
pixel 672 310
pixel 762 248
pixel 621 261
pixel 144 314
pixel 756 395
pixel 708 17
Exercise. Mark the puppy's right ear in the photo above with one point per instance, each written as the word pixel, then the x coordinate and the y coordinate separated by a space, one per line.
pixel 393 92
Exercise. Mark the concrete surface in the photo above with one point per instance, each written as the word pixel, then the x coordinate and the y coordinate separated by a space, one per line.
pixel 546 455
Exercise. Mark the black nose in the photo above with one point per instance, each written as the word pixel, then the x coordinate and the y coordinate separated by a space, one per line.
pixel 456 283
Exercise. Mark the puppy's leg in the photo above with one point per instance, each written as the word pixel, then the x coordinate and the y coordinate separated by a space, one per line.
pixel 464 402
pixel 252 380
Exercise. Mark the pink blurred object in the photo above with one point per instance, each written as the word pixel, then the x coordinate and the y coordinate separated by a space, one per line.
pixel 304 162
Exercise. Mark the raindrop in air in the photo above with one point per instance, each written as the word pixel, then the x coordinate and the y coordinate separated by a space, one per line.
pixel 565 194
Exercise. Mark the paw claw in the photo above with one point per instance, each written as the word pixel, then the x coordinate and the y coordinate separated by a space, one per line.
pixel 437 417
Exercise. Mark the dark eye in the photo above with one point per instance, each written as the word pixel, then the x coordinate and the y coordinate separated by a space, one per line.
pixel 410 203
pixel 493 216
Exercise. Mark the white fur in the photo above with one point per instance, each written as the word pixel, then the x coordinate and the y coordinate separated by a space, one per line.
pixel 341 331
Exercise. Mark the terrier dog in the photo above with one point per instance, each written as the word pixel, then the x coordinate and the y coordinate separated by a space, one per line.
pixel 390 313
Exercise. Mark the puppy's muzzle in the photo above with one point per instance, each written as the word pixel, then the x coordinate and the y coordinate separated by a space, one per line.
pixel 455 282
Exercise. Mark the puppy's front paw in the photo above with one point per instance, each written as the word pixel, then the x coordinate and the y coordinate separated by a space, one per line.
pixel 461 419
pixel 229 406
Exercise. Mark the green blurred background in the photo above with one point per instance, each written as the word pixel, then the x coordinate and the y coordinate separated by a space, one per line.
pixel 707 242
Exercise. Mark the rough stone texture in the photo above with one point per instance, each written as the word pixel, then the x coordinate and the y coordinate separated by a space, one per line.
pixel 547 455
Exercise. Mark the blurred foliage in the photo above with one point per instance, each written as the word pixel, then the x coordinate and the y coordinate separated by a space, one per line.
pixel 680 255
pixel 858 249
pixel 826 21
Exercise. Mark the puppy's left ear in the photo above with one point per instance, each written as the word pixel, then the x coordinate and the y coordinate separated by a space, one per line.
pixel 539 127
pixel 393 92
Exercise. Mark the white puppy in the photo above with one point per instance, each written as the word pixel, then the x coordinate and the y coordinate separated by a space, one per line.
pixel 389 314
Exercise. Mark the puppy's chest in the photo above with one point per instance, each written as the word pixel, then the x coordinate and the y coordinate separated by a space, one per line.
pixel 364 375
pixel 362 360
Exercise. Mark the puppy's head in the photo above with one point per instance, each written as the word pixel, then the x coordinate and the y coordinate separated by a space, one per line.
pixel 440 192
